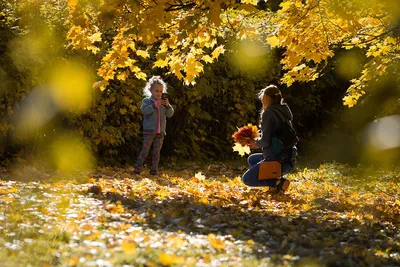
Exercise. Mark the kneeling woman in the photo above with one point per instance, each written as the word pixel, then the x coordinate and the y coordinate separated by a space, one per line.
pixel 274 113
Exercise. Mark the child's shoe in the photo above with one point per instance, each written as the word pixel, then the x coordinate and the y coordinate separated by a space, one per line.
pixel 136 170
pixel 153 172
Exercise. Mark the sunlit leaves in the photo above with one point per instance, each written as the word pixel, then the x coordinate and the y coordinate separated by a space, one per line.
pixel 217 51
pixel 172 220
pixel 84 38
pixel 170 259
pixel 200 176
pixel 187 34
pixel 272 41
pixel 241 149
pixel 142 53
pixel 182 37
pixel 310 30
pixel 207 59
pixel 129 248
pixel 161 63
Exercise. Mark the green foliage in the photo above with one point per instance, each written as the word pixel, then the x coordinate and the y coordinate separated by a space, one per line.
pixel 206 114
pixel 225 97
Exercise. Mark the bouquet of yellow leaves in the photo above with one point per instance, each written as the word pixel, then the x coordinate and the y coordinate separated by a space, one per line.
pixel 242 138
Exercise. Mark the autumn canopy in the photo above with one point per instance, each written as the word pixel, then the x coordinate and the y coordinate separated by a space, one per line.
pixel 74 76
pixel 183 36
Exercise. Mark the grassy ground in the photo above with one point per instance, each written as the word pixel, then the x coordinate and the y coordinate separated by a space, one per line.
pixel 334 215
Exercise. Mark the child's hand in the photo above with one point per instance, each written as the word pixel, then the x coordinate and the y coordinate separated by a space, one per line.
pixel 165 102
pixel 158 103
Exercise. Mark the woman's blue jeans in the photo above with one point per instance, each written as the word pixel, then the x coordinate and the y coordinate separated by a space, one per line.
pixel 250 177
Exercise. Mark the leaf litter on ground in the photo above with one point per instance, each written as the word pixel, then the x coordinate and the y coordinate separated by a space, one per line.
pixel 333 215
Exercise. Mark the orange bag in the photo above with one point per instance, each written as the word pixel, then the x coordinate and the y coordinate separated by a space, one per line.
pixel 270 170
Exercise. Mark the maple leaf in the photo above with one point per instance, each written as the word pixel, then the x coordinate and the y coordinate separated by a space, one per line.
pixel 96 37
pixel 161 63
pixel 73 2
pixel 207 59
pixel 122 76
pixel 170 259
pixel 200 176
pixel 129 248
pixel 272 41
pixel 143 53
pixel 349 101
pixel 141 75
pixel 251 2
pixel 217 51
pixel 101 84
pixel 241 149
pixel 216 243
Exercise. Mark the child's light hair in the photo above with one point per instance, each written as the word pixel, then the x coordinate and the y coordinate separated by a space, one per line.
pixel 152 81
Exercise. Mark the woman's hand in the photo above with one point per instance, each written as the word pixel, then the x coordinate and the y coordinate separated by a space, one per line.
pixel 252 144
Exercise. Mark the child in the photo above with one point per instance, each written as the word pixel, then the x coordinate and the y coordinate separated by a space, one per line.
pixel 155 111
pixel 273 108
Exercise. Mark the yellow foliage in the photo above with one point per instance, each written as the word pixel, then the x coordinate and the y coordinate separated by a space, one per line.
pixel 242 150
pixel 273 41
pixel 185 35
pixel 170 259
pixel 128 248
pixel 308 30
pixel 142 53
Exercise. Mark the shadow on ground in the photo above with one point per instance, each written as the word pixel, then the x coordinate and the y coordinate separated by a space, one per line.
pixel 310 235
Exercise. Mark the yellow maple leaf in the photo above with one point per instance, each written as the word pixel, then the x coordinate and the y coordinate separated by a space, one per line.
pixel 252 2
pixel 207 59
pixel 128 248
pixel 272 41
pixel 8 199
pixel 101 84
pixel 132 46
pixel 96 37
pixel 204 200
pixel 249 7
pixel 216 243
pixel 200 176
pixel 170 259
pixel 93 48
pixel 142 53
pixel 122 76
pixel 349 101
pixel 176 67
pixel 73 2
pixel 241 149
pixel 217 51
pixel 141 75
pixel 161 63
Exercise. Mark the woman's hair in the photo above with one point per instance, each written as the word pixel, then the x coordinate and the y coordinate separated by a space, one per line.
pixel 273 92
pixel 152 81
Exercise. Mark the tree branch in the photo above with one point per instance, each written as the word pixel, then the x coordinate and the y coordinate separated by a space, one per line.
pixel 179 7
